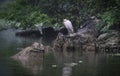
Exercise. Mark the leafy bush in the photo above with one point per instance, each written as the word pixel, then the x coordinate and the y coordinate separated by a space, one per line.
pixel 51 12
pixel 26 15
pixel 110 18
pixel 8 24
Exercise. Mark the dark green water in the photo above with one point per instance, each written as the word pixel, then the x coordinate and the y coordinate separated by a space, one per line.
pixel 53 63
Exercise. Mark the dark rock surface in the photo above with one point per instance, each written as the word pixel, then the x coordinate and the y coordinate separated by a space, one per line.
pixel 63 31
pixel 49 31
pixel 28 33
pixel 46 31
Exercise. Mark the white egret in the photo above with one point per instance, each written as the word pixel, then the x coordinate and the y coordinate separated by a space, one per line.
pixel 68 25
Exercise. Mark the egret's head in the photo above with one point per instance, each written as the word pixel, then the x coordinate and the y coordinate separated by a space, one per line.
pixel 64 20
pixel 92 17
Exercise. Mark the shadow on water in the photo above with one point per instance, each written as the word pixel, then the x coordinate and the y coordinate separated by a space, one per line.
pixel 53 63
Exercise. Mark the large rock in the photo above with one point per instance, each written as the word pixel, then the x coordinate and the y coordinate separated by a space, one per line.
pixel 89 27
pixel 86 35
pixel 32 57
pixel 32 51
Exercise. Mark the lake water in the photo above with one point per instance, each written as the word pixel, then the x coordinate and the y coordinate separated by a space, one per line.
pixel 54 63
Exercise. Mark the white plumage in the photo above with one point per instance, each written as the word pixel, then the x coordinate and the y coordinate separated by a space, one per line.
pixel 68 25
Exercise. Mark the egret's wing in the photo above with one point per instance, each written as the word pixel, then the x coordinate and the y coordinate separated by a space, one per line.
pixel 70 26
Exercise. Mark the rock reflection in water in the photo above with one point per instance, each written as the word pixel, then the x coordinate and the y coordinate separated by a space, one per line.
pixel 33 61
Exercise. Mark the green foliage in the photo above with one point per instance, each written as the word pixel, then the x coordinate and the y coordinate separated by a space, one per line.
pixel 111 18
pixel 8 24
pixel 75 10
pixel 26 15
pixel 51 12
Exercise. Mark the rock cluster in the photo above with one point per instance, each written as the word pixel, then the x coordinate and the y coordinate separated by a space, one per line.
pixel 88 38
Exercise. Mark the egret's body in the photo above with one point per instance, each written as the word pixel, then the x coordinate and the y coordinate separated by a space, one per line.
pixel 68 25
